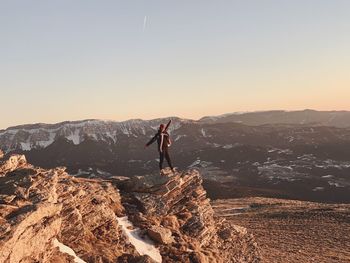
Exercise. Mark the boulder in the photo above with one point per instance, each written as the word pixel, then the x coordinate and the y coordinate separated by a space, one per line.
pixel 170 222
pixel 160 234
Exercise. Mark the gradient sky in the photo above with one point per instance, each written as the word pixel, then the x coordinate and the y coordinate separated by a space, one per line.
pixel 69 60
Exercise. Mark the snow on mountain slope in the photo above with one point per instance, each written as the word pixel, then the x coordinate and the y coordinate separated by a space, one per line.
pixel 27 137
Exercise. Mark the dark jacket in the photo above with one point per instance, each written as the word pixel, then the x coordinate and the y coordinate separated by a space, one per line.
pixel 163 140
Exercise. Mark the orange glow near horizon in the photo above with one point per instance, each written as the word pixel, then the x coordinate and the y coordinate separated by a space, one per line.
pixel 249 56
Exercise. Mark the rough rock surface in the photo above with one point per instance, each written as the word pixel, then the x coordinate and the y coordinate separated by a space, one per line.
pixel 39 207
pixel 177 201
pixel 14 162
pixel 160 234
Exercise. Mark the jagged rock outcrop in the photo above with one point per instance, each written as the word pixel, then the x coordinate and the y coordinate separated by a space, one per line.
pixel 37 206
pixel 14 162
pixel 177 202
pixel 42 212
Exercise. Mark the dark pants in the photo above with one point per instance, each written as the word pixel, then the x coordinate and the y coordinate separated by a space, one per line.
pixel 165 154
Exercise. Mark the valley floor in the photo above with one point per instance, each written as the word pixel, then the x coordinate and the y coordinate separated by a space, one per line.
pixel 292 231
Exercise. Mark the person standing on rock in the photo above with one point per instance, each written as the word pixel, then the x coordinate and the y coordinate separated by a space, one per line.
pixel 164 142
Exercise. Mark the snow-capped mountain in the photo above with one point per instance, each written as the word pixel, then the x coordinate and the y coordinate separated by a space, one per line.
pixel 36 136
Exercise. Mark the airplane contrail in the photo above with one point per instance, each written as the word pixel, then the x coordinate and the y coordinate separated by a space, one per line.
pixel 144 24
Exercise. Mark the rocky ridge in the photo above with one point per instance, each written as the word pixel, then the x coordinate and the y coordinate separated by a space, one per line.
pixel 42 211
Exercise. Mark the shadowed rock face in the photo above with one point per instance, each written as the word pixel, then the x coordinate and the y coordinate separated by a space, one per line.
pixel 38 206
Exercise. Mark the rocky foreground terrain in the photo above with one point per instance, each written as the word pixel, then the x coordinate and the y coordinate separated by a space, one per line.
pixel 292 231
pixel 47 215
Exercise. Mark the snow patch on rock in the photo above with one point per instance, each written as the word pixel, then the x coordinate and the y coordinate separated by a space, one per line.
pixel 65 249
pixel 143 245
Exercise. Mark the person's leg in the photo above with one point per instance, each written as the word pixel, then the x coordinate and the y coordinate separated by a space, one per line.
pixel 167 157
pixel 161 159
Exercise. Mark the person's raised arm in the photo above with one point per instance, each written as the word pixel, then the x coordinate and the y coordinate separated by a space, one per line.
pixel 152 140
pixel 167 126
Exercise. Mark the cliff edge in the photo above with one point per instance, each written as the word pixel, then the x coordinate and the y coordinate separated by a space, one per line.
pixel 50 216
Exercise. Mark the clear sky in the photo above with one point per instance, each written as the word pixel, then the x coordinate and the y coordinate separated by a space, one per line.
pixel 69 60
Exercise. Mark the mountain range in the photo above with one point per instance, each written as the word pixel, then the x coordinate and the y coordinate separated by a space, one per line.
pixel 27 137
pixel 296 154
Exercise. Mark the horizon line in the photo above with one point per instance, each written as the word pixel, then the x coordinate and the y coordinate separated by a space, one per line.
pixel 140 119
